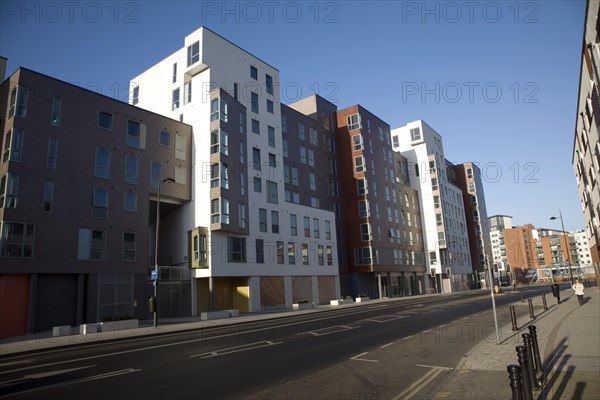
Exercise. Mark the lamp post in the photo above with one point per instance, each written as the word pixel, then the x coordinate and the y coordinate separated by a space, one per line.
pixel 567 240
pixel 155 283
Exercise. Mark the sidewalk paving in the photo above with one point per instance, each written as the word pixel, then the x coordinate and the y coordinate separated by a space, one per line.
pixel 569 342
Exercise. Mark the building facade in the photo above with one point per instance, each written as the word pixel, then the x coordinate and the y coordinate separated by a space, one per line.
pixel 78 197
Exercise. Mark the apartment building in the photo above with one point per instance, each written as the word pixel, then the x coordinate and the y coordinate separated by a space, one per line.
pixel 584 255
pixel 442 207
pixel 471 184
pixel 586 148
pixel 382 220
pixel 79 182
pixel 258 239
pixel 497 225
pixel 522 249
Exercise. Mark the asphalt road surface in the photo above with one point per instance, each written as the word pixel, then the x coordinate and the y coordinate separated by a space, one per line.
pixel 395 349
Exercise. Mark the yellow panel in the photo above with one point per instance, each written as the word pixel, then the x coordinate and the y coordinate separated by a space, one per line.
pixel 240 298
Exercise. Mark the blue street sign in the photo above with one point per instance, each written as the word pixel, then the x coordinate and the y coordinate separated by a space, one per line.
pixel 154 274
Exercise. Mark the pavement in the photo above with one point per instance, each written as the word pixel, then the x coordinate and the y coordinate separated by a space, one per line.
pixel 568 337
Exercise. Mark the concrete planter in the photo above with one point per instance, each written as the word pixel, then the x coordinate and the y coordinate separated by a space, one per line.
pixel 361 299
pixel 339 302
pixel 86 329
pixel 111 326
pixel 301 306
pixel 205 316
pixel 64 330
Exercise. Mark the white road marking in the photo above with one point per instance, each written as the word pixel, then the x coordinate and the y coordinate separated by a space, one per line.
pixel 40 376
pixel 408 337
pixel 16 363
pixel 356 358
pixel 441 326
pixel 428 330
pixel 415 305
pixel 236 349
pixel 434 366
pixel 386 345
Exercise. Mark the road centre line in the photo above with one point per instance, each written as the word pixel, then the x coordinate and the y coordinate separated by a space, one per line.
pixel 236 349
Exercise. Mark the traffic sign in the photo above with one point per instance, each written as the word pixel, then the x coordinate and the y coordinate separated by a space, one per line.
pixel 154 274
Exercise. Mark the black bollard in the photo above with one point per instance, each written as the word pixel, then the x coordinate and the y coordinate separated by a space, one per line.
pixel 516 382
pixel 544 302
pixel 530 370
pixel 531 314
pixel 536 349
pixel 522 299
pixel 513 317
pixel 522 357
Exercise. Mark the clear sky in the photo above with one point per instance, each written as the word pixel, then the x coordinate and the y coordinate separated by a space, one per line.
pixel 497 79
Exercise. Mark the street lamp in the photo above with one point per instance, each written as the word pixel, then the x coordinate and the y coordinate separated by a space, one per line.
pixel 567 240
pixel 155 274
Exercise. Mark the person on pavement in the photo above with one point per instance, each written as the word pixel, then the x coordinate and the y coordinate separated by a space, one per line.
pixel 578 288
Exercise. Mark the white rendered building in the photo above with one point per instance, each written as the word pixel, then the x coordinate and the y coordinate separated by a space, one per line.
pixel 442 207
pixel 238 234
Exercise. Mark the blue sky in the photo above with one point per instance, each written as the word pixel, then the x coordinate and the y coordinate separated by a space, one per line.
pixel 497 79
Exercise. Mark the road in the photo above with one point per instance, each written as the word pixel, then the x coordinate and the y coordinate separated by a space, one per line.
pixel 394 349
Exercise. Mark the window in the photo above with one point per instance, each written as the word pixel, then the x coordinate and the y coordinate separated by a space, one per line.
pixel 219 141
pixel 236 249
pixel 130 201
pixel 284 123
pixel 380 133
pixel 415 134
pixel 284 145
pixel 272 193
pixel 306 226
pixel 224 111
pixel 272 161
pixel 313 181
pixel 303 155
pixel 215 213
pixel 269 106
pixel 193 53
pixel 364 256
pixel 311 158
pixel 91 244
pixel 395 141
pixel 365 232
pixel 327 230
pixel 242 216
pixel 291 253
pixel 253 72
pixel 316 232
pixel 329 255
pixel 135 96
pixel 353 122
pixel 359 164
pixel 313 136
pixel 102 164
pixel 214 109
pixel 242 122
pixel 224 176
pixel 257 184
pixel 304 253
pixel 132 170
pixel 255 126
pixel 271 133
pixel 314 202
pixel 301 135
pixel 13 145
pixel 48 204
pixel 361 186
pixel 293 225
pixel 357 142
pixel 262 220
pixel 187 92
pixel 18 102
pixel 269 83
pixel 363 209
pixel 280 255
pixel 321 255
pixel 100 203
pixel 260 251
pixel 274 222
pixel 104 120
pixel 128 246
pixel 254 102
pixel 256 159
pixel 174 73
pixel 17 239
pixel 52 152
pixel 134 137
pixel 175 99
pixel 55 113
pixel 9 190
pixel 235 90
pixel 155 174
pixel 214 175
pixel 242 183
pixel 224 211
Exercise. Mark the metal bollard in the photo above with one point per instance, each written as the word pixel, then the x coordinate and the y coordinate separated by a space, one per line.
pixel 522 299
pixel 544 302
pixel 535 384
pixel 536 349
pixel 531 314
pixel 513 317
pixel 516 381
pixel 522 357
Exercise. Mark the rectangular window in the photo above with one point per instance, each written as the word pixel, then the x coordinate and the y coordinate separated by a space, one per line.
pixel 363 209
pixel 329 255
pixel 9 189
pixel 242 122
pixel 415 134
pixel 224 176
pixel 17 239
pixel 48 204
pixel 219 142
pixel 175 99
pixel 193 53
pixel 359 164
pixel 270 106
pixel 280 254
pixel 19 97
pixel 236 249
pixel 253 72
pixel 353 122
pixel 291 253
pixel 357 142
pixel 133 134
pixel 102 164
pixel 214 175
pixel 242 216
pixel 304 253
pixel 314 202
pixel 100 203
pixel 272 160
pixel 132 170
pixel 128 246
pixel 256 159
pixel 215 211
pixel 187 92
pixel 272 196
pixel 306 226
pixel 284 123
pixel 293 225
pixel 365 232
pixel 311 158
pixel 260 251
pixel 284 145
pixel 328 230
pixel 13 145
pixel 316 229
pixel 271 134
pixel 55 114
pixel 242 183
pixel 313 136
pixel 274 221
pixel 257 184
pixel 361 186
pixel 301 134
pixel 174 73
pixel 52 152
pixel 254 102
pixel 214 109
pixel 130 201
pixel 235 90
pixel 164 138
pixel 313 181
pixel 135 95
pixel 295 179
pixel 224 211
pixel 105 120
pixel 321 254
pixel 269 83
pixel 303 158
pixel 255 126
pixel 262 220
pixel 155 174
pixel 224 111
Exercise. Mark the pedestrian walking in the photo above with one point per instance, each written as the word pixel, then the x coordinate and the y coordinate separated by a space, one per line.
pixel 578 288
